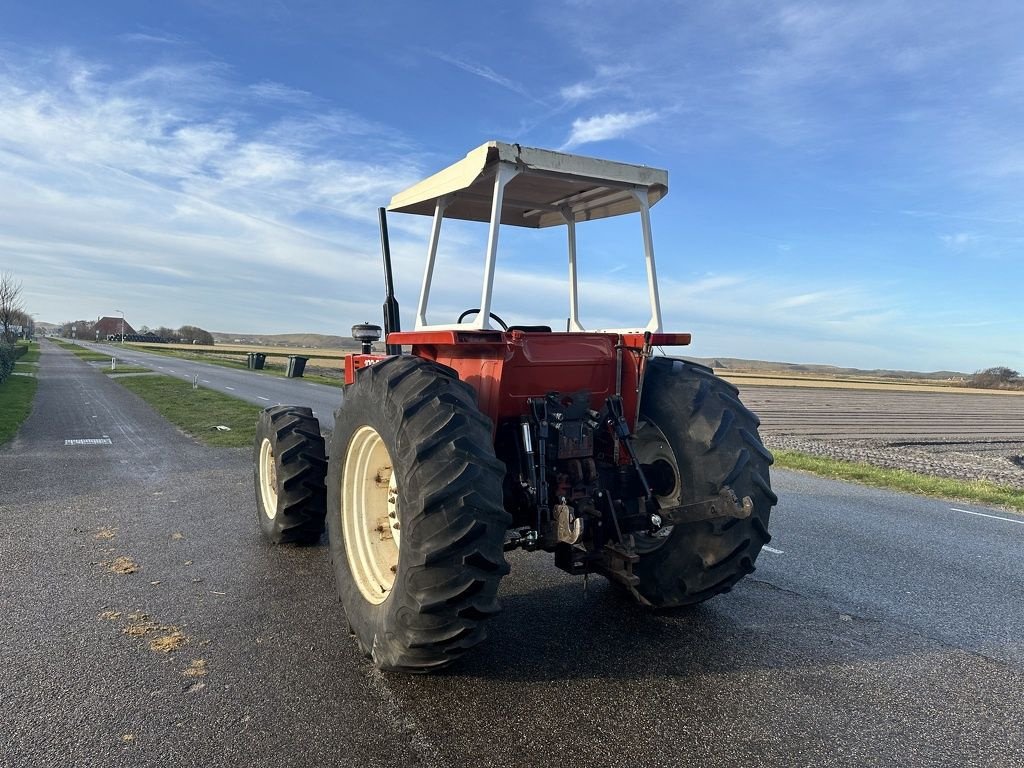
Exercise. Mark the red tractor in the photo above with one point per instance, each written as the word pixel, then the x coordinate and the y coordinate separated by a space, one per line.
pixel 642 468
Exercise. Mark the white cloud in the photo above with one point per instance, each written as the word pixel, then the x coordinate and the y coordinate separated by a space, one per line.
pixel 958 240
pixel 580 92
pixel 178 207
pixel 160 38
pixel 482 70
pixel 607 79
pixel 272 91
pixel 608 126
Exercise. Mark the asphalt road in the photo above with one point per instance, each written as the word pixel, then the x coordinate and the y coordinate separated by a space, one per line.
pixel 252 386
pixel 879 629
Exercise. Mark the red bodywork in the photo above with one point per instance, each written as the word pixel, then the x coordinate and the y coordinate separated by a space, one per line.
pixel 506 368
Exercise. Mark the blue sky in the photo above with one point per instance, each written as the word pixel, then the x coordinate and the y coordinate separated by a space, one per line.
pixel 846 180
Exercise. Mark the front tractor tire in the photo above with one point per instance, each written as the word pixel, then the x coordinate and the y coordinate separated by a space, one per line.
pixel 415 517
pixel 289 467
pixel 694 421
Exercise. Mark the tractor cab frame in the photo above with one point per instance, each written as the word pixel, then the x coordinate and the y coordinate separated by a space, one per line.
pixel 511 185
pixel 507 184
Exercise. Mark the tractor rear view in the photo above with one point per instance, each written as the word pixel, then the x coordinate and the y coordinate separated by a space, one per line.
pixel 485 437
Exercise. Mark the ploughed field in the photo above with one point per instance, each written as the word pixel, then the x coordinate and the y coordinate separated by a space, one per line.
pixel 966 436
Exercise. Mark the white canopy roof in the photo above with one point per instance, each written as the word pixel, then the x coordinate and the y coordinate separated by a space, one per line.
pixel 547 184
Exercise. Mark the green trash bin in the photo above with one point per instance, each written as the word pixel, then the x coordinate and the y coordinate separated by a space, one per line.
pixel 258 360
pixel 296 365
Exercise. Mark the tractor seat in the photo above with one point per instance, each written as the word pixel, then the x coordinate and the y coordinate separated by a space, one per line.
pixel 531 328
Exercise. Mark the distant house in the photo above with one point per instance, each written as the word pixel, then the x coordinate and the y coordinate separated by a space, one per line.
pixel 111 326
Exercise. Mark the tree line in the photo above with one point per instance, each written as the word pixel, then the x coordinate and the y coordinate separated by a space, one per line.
pixel 187 334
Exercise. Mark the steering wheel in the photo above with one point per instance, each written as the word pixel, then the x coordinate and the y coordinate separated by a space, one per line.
pixel 476 310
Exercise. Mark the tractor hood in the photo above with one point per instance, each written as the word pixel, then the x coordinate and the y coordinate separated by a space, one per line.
pixel 548 185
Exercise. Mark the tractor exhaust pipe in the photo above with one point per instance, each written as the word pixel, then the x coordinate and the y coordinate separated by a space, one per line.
pixel 392 320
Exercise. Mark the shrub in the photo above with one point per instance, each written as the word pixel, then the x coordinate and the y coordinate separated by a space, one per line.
pixel 7 358
pixel 999 377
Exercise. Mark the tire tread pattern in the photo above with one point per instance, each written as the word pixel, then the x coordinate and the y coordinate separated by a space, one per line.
pixel 294 433
pixel 451 510
pixel 715 440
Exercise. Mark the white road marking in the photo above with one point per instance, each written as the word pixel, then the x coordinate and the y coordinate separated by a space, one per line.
pixel 171 370
pixel 261 397
pixel 231 388
pixel 89 441
pixel 205 381
pixel 994 517
pixel 773 550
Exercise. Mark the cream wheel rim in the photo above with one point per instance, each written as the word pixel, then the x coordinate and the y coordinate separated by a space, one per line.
pixel 268 479
pixel 369 515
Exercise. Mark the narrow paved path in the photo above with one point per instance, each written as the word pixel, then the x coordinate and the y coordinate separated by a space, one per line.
pixel 880 629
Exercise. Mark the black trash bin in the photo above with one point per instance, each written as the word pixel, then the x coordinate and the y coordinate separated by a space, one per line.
pixel 257 360
pixel 296 365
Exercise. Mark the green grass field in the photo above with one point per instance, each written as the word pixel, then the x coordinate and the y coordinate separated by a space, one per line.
pixel 32 356
pixel 126 369
pixel 901 480
pixel 197 411
pixel 15 404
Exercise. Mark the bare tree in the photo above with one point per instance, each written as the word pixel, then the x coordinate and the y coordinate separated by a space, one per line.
pixel 11 307
pixel 78 329
pixel 1000 377
pixel 190 334
pixel 24 319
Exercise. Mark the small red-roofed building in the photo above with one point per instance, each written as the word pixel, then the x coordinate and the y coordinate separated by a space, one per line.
pixel 108 327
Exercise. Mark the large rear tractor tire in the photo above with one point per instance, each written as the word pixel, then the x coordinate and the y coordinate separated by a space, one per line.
pixel 415 516
pixel 694 421
pixel 289 467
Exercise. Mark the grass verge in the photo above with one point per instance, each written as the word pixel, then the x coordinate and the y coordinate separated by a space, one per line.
pixel 126 369
pixel 92 357
pixel 198 411
pixel 84 353
pixel 15 404
pixel 980 492
pixel 32 356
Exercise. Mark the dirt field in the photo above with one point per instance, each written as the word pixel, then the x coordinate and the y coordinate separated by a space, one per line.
pixel 811 381
pixel 958 434
pixel 886 415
